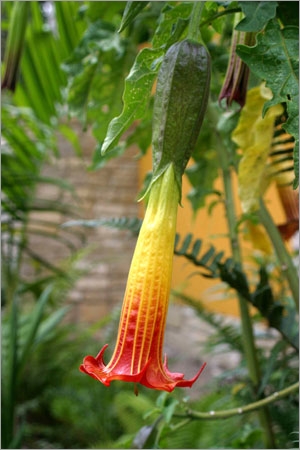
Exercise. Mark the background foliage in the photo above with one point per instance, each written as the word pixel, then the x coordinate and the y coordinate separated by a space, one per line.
pixel 97 62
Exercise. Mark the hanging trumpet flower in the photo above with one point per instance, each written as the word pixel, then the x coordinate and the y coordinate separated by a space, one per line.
pixel 138 353
pixel 176 124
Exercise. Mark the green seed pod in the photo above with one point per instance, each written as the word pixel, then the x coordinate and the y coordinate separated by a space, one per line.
pixel 180 103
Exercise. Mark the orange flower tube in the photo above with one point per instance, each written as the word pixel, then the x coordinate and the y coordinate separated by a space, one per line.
pixel 138 353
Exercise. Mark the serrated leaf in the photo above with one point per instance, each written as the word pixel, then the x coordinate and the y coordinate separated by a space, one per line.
pixel 257 15
pixel 275 59
pixel 136 95
pixel 253 135
pixel 138 84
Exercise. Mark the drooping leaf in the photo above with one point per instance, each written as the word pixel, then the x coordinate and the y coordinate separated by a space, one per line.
pixel 253 136
pixel 257 15
pixel 275 59
pixel 139 82
pixel 136 95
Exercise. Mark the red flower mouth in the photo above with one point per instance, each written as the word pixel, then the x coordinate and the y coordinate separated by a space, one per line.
pixel 152 376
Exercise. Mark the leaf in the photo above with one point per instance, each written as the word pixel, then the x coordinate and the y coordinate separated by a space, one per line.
pixel 96 70
pixel 190 249
pixel 35 322
pixel 232 274
pixel 271 365
pixel 136 95
pixel 139 82
pixel 132 9
pixel 257 15
pixel 281 316
pixel 173 22
pixel 275 59
pixel 253 135
pixel 72 137
pixel 202 175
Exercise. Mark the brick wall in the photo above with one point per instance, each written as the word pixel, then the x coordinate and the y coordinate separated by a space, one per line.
pixel 108 192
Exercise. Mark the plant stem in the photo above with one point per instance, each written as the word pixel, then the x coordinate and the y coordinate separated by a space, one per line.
pixel 214 415
pixel 288 269
pixel 194 23
pixel 220 14
pixel 247 329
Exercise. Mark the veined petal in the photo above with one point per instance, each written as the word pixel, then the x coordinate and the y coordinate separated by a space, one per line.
pixel 138 353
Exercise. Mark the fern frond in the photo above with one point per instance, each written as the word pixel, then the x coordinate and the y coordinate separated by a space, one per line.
pixel 190 249
pixel 132 224
pixel 281 316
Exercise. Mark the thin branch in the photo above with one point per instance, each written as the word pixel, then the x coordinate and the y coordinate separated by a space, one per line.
pixel 214 415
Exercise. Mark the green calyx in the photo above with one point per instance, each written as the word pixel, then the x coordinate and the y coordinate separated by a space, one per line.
pixel 180 103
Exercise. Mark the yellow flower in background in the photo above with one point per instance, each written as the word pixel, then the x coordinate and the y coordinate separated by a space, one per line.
pixel 254 135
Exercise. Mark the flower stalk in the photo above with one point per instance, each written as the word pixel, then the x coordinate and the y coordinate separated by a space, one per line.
pixel 138 353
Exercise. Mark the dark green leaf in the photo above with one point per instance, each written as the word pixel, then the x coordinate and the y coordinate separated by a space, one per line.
pixel 257 15
pixel 232 274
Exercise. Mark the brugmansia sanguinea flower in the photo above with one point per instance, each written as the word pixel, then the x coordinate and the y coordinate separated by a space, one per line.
pixel 138 353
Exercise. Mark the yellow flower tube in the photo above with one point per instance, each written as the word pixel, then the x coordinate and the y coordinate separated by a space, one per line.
pixel 138 353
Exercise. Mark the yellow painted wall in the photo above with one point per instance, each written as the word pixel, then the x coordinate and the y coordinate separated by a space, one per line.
pixel 212 229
